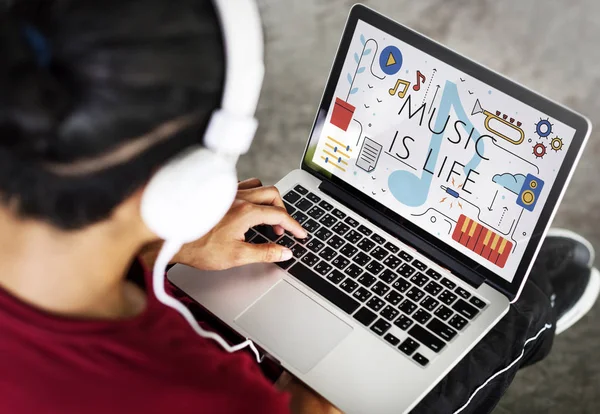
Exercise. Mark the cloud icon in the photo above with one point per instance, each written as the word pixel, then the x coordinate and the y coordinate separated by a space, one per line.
pixel 509 181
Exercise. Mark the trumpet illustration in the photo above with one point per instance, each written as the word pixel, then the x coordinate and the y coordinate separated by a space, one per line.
pixel 502 119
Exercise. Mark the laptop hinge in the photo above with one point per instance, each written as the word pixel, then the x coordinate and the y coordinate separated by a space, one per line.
pixel 403 234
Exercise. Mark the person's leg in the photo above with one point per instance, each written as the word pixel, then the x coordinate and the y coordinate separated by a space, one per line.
pixel 523 337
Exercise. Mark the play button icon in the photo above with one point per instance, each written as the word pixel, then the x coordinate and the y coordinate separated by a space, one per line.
pixel 390 60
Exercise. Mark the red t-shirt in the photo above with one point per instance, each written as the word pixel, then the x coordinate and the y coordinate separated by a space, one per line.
pixel 153 363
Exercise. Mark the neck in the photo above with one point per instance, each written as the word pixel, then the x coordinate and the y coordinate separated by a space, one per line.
pixel 78 274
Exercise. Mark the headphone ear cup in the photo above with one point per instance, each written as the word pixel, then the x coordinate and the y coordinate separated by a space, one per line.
pixel 188 196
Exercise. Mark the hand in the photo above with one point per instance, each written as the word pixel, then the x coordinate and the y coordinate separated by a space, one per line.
pixel 224 246
pixel 304 400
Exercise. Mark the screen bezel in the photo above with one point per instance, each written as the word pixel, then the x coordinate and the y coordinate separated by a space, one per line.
pixel 491 78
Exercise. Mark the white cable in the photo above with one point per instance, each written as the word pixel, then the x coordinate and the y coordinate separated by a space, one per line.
pixel 546 327
pixel 168 251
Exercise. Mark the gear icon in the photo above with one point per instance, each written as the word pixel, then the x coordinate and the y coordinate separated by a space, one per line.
pixel 557 144
pixel 543 128
pixel 539 150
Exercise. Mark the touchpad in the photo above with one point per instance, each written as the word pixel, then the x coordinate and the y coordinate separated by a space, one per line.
pixel 293 326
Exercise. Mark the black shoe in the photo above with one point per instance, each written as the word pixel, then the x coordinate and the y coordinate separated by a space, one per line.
pixel 566 259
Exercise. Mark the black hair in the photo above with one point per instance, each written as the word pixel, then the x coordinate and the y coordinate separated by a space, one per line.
pixel 117 70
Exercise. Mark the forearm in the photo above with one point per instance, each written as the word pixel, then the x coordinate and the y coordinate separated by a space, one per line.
pixel 304 400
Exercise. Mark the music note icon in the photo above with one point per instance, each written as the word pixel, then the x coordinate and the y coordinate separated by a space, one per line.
pixel 420 79
pixel 402 93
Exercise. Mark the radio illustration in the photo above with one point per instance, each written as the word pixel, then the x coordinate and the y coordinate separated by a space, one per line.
pixel 503 121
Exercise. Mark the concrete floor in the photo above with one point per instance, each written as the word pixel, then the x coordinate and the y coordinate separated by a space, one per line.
pixel 549 45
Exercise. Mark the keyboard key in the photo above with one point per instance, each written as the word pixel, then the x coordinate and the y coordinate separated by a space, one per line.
pixel 419 279
pixel 441 329
pixel 433 274
pixel 392 248
pixel 315 199
pixel 310 225
pixel 340 262
pixel 393 297
pixel 310 259
pixel 429 303
pixel 421 360
pixel 323 268
pixel 316 212
pixel 351 222
pixel 462 293
pixel 433 288
pixel 361 258
pixel 336 277
pixel 379 253
pixel 366 280
pixel 286 264
pixel 447 297
pixel 465 309
pixel 403 322
pixel 380 288
pixel 304 205
pixel 449 284
pixel 268 232
pixel 378 239
pixel 421 316
pixel 286 242
pixel 340 228
pixel 392 262
pixel 288 207
pixel 327 254
pixel 349 285
pixel 381 326
pixel 315 245
pixel 328 220
pixel 365 230
pixel 407 307
pixel 348 250
pixel 391 339
pixel 249 234
pixel 405 256
pixel 477 302
pixel 301 189
pixel 365 316
pixel 292 197
pixel 387 276
pixel 323 233
pixel 326 206
pixel 415 294
pixel 389 313
pixel 375 303
pixel 458 322
pixel 426 338
pixel 443 312
pixel 324 288
pixel 304 240
pixel 353 236
pixel 300 217
pixel 401 285
pixel 258 239
pixel 336 242
pixel 409 346
pixel 374 267
pixel 298 251
pixel 353 271
pixel 339 214
pixel 419 265
pixel 366 245
pixel 362 294
pixel 406 270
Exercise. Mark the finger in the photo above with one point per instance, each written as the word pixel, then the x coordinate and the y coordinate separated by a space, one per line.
pixel 255 215
pixel 263 195
pixel 262 253
pixel 250 183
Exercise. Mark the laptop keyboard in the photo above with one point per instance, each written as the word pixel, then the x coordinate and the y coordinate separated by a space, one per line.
pixel 368 277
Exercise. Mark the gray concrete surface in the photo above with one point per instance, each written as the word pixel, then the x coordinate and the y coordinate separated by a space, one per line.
pixel 549 45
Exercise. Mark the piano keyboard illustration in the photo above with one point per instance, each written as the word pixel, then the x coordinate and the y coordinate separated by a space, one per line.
pixel 483 241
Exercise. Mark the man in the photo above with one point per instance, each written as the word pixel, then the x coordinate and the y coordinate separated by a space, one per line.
pixel 76 335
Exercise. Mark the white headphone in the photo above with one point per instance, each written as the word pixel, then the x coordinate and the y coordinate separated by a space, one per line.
pixel 187 197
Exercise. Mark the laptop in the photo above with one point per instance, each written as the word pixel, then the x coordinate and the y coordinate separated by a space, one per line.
pixel 427 186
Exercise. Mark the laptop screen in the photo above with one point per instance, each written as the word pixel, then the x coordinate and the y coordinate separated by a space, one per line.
pixel 466 163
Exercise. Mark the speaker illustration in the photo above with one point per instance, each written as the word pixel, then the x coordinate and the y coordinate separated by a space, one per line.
pixel 530 192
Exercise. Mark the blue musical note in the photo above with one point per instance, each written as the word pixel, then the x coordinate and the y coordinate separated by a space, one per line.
pixel 411 190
